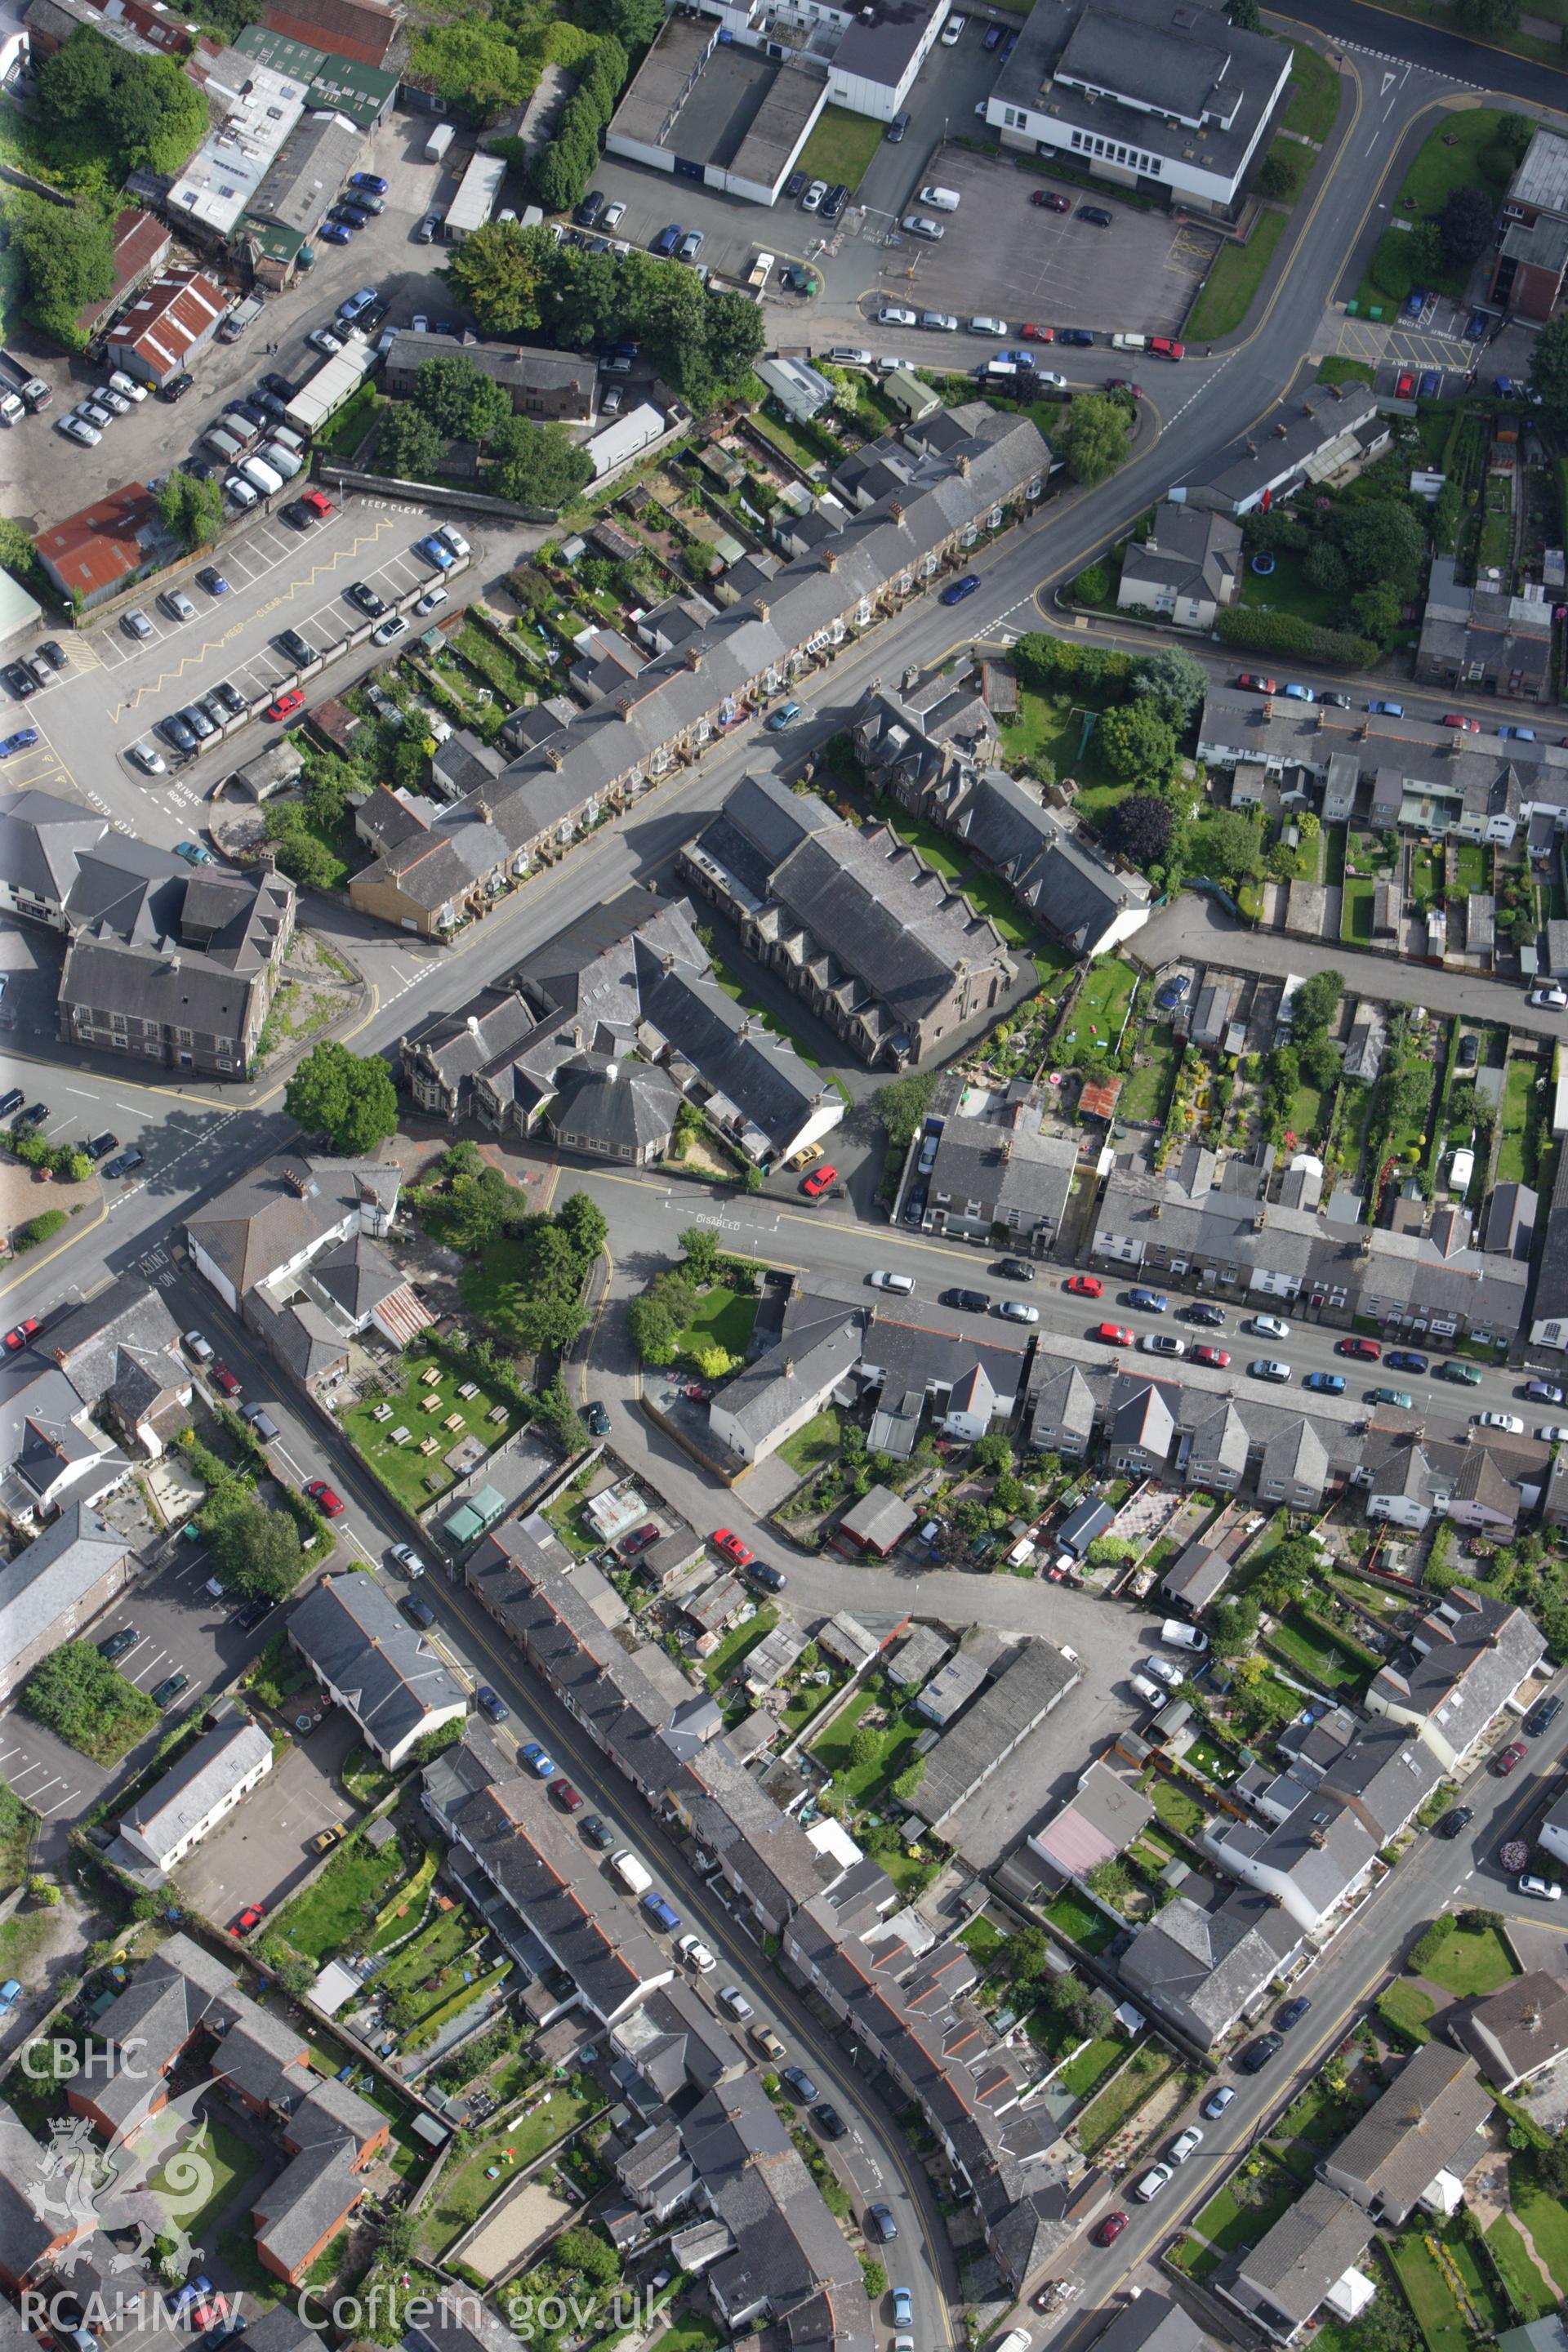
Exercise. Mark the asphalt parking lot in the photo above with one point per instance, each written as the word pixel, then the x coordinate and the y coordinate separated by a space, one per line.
pixel 1001 254
pixel 260 1853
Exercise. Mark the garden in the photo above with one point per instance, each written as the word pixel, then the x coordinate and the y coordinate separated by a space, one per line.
pixel 365 1900
pixel 1465 1954
pixel 472 2182
pixel 428 1391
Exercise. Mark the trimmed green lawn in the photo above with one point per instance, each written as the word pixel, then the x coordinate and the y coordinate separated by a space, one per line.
pixel 1471 1960
pixel 1518 1144
pixel 1234 2219
pixel 736 1643
pixel 1406 2008
pixel 1231 287
pixel 1314 89
pixel 721 1318
pixel 1137 2083
pixel 1449 158
pixel 228 2158
pixel 1084 2073
pixel 1075 1915
pixel 1105 996
pixel 335 1912
pixel 1147 1093
pixel 463 2191
pixel 1042 731
pixel 1286 589
pixel 1176 1806
pixel 814 1444
pixel 1355 909
pixel 840 147
pixel 896 1741
pixel 1533 2298
pixel 402 1470
pixel 1431 2298
pixel 1543 2217
pixel 1312 1647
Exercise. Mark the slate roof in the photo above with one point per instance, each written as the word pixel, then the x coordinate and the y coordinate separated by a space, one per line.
pixel 1517 2030
pixel 620 1110
pixel 1420 2127
pixel 310 2197
pixel 786 2248
pixel 459 2321
pixel 53 1576
pixel 1462 1663
pixel 1323 2234
pixel 348 1630
pixel 23 2238
pixel 1029 1680
pixel 1190 552
pixel 1201 1968
pixel 184 1798
pixel 264 1221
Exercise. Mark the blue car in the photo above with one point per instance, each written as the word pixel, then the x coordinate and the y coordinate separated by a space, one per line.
pixel 1405 1360
pixel 541 1765
pixel 193 853
pixel 666 240
pixel 334 233
pixel 1415 305
pixel 1326 1383
pixel 23 740
pixel 436 552
pixel 1544 1392
pixel 1480 327
pixel 1520 734
pixel 1152 1302
pixel 903 2307
pixel 1505 384
pixel 494 1705
pixel 957 590
pixel 784 718
pixel 1300 694
pixel 212 581
pixel 1079 335
pixel 1388 709
pixel 358 304
pixel 1170 995
pixel 367 180
pixel 1431 384
pixel 1017 359
pixel 661 1914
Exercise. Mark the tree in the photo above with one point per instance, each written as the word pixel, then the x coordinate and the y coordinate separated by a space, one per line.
pixel 736 335
pixel 1382 543
pixel 1274 177
pixel 1235 1626
pixel 1025 1955
pixel 1096 434
pixel 192 510
pixel 1548 367
pixel 1488 20
pixel 699 1246
pixel 585 2250
pixel 348 1097
pixel 560 170
pixel 909 1780
pixel 901 1107
pixel 408 445
pixel 300 856
pixel 865 1748
pixel 1141 829
pixel 714 1363
pixel 586 1226
pixel 1175 681
pixel 255 1552
pixel 1376 612
pixel 632 23
pixel 992 1452
pixel 656 1320
pixel 396 2235
pixel 501 272
pixel 1513 135
pixel 1244 15
pixel 68 256
pixel 1326 568
pixel 1465 226
pixel 874 2278
pixel 434 1743
pixel 1137 744
pixel 544 1304
pixel 1229 847
pixel 474 64
pixel 1315 1003
pixel 555 1409
pixel 537 465
pixel 461 404
pixel 154 114
pixel 71 87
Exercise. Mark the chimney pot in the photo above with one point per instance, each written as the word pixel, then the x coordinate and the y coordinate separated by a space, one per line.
pixel 895 511
pixel 829 560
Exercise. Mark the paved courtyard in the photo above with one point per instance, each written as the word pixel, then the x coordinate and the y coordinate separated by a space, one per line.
pixel 260 1853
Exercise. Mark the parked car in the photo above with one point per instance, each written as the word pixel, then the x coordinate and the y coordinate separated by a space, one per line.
pixel 1114 1335
pixel 880 2224
pixel 1403 1359
pixel 1455 1823
pixel 164 1694
pixel 329 1503
pixel 1399 1398
pixel 492 1704
pixel 1256 2055
pixel 799 2084
pixel 1543 1715
pixel 1507 1759
pixel 1084 1286
pixel 1293 2013
pixel 1214 2105
pixel 1267 1326
pixel 1326 1383
pixel 1509 1422
pixel 731 1545
pixel 1544 1890
pixel 1366 1352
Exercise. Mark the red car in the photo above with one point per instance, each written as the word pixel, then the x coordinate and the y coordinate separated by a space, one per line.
pixel 318 503
pixel 1257 684
pixel 1405 386
pixel 1470 726
pixel 223 1379
pixel 1049 201
pixel 731 1547
pixel 251 1916
pixel 1085 1285
pixel 565 1795
pixel 1217 1359
pixel 287 704
pixel 1038 334
pixel 819 1182
pixel 22 1334
pixel 1365 1351
pixel 1512 1757
pixel 638 1540
pixel 330 1505
pixel 1114 1335
pixel 1106 2232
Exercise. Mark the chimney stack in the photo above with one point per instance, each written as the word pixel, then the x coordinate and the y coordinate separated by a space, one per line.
pixel 895 511
pixel 829 560
pixel 962 461
pixel 295 1180
pixel 694 657
pixel 761 608
pixel 554 755
pixel 483 810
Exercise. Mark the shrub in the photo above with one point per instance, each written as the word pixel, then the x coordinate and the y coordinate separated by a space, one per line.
pixel 1286 632
pixel 41 1228
pixel 1092 586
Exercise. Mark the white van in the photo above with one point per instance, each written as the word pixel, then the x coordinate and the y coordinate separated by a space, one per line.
pixel 941 199
pixel 903 1283
pixel 1150 1693
pixel 1129 342
pixel 283 460
pixel 630 1872
pixel 260 475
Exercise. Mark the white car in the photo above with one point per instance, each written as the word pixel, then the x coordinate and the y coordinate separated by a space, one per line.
pixel 1049 375
pixel 1014 1311
pixel 1164 1672
pixel 1177 1635
pixel 952 31
pixel 420 324
pixel 921 225
pixel 894 315
pixel 813 198
pixel 1508 1420
pixel 1550 1000
pixel 431 598
pixel 322 339
pixel 78 429
pixel 986 325
pixel 197 1346
pixel 1555 1433
pixel 394 626
pixel 149 758
pixel 1185 2144
pixel 1153 2181
pixel 407 1559
pixel 696 1954
pixel 454 539
pixel 613 214
pixel 128 386
pixel 732 1997
pixel 177 605
pixel 1269 1326
pixel 1162 1343
pixel 1545 1890
pixel 882 1280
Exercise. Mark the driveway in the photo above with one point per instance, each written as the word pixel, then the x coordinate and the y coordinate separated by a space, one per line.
pixel 260 1853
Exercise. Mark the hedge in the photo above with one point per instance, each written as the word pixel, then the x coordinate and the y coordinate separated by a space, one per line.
pixel 1286 632
pixel 41 1229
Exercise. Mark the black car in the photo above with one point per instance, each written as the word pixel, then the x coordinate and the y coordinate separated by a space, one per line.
pixel 21 681
pixel 598 1832
pixel 297 515
pixel 228 698
pixel 972 1302
pixel 273 382
pixel 880 2224
pixel 418 1612
pixel 828 2120
pixel 12 1100
pixel 127 1162
pixel 196 719
pixel 102 1145
pixel 34 1116
pixel 171 1687
pixel 1081 336
pixel 794 187
pixel 915 1206
pixel 176 730
pixel 1455 1823
pixel 1213 1317
pixel 1016 1269
pixel 797 2079
pixel 1338 701
pixel 360 592
pixel 1541 1718
pixel 588 213
pixel 833 201
pixel 772 1580
pixel 251 1615
pixel 1097 214
pixel 894 134
pixel 55 655
pixel 116 1644
pixel 1256 2055
pixel 298 648
pixel 175 389
pixel 1293 2013
pixel 596 1420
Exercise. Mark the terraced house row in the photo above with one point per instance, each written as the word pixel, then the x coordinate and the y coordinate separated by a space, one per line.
pixel 939 488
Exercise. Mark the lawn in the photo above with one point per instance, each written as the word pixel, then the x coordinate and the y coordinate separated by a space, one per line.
pixel 1531 2296
pixel 1407 2008
pixel 1518 1144
pixel 1147 1093
pixel 989 893
pixel 1137 2083
pixel 1431 2298
pixel 1105 996
pixel 840 147
pixel 1042 731
pixel 863 1783
pixel 1471 1960
pixel 16 1827
pixel 814 1445
pixel 1543 2216
pixel 402 1470
pixel 1301 1642
pixel 1286 589
pixel 1073 1914
pixel 348 429
pixel 1314 88
pixel 463 2190
pixel 1231 287
pixel 736 1643
pixel 1355 909
pixel 334 1914
pixel 1470 869
pixel 1229 2222
pixel 721 1318
pixel 1084 2073
pixel 1449 158
pixel 1176 1806
pixel 229 2161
